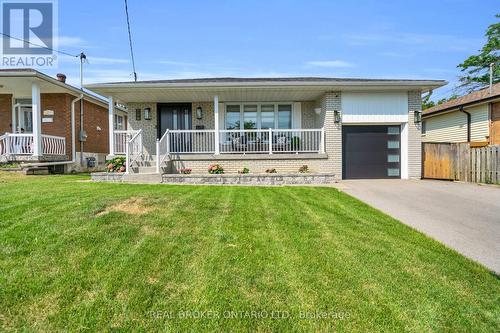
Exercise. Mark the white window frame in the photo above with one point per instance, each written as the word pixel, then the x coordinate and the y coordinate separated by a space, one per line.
pixel 259 119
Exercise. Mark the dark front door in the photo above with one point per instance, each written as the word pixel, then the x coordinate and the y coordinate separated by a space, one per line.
pixel 174 117
pixel 371 152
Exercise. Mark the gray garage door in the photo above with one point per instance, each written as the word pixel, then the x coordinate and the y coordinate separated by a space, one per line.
pixel 371 152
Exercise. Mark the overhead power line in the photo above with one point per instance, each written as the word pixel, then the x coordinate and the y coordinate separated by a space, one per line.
pixel 130 41
pixel 41 46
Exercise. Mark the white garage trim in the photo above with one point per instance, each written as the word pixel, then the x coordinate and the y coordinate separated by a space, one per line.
pixel 404 150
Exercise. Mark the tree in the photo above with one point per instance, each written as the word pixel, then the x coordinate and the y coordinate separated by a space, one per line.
pixel 476 68
pixel 427 103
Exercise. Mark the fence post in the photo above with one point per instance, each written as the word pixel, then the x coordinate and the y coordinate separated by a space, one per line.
pixel 270 141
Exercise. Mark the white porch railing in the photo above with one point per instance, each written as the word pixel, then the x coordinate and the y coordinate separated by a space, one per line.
pixel 134 149
pixel 22 144
pixel 53 145
pixel 16 144
pixel 266 141
pixel 3 144
pixel 120 141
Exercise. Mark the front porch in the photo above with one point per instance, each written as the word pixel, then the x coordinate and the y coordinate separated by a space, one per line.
pixel 258 135
pixel 27 130
pixel 20 147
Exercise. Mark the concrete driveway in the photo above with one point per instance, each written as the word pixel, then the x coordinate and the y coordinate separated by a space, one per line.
pixel 465 217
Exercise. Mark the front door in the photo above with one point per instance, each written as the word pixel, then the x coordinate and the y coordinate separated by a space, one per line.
pixel 175 116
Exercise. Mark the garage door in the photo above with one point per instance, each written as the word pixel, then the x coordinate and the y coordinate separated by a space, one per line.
pixel 371 152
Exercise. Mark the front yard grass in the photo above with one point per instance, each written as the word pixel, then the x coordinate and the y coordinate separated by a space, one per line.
pixel 76 255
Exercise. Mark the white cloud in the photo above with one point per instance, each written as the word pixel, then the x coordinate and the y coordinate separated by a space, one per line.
pixel 67 41
pixel 437 42
pixel 330 63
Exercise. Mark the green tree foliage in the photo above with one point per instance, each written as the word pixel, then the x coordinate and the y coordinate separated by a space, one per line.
pixel 427 103
pixel 475 69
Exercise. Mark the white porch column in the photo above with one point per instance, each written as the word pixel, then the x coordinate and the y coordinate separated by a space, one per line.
pixel 14 120
pixel 37 119
pixel 216 120
pixel 111 127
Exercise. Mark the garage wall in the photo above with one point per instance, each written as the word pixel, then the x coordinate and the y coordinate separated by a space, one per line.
pixel 374 107
pixel 414 136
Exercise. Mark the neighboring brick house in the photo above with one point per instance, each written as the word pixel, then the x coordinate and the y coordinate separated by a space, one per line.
pixel 353 128
pixel 36 121
pixel 471 118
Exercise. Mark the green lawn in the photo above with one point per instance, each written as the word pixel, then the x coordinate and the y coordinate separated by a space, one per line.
pixel 76 255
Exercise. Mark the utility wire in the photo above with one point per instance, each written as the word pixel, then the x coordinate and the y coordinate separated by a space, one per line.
pixel 41 46
pixel 130 41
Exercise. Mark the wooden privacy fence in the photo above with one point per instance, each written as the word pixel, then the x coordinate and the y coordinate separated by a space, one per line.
pixel 459 161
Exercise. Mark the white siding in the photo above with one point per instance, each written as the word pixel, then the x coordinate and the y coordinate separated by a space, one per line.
pixel 368 107
pixel 479 123
pixel 452 127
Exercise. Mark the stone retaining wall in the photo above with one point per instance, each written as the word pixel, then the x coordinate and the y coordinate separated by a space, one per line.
pixel 107 177
pixel 199 179
pixel 250 179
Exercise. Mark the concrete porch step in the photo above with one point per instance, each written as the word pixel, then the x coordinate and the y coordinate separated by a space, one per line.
pixel 143 169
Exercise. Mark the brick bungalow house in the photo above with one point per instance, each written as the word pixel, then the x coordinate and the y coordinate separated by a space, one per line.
pixel 353 128
pixel 41 121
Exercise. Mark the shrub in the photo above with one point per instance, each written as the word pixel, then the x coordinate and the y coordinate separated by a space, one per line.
pixel 244 171
pixel 215 169
pixel 116 164
pixel 185 171
pixel 304 169
pixel 272 170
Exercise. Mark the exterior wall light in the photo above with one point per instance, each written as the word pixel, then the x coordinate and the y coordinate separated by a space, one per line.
pixel 417 117
pixel 147 114
pixel 199 112
pixel 337 116
pixel 317 111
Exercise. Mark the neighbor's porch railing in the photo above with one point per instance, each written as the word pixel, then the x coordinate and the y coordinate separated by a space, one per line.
pixel 16 144
pixel 22 144
pixel 53 145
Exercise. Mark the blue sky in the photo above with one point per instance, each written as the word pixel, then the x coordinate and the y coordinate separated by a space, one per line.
pixel 184 39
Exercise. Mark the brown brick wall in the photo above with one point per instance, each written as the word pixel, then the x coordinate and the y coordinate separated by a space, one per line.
pixel 93 116
pixel 5 113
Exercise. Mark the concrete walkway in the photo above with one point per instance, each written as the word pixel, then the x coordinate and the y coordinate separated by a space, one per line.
pixel 465 217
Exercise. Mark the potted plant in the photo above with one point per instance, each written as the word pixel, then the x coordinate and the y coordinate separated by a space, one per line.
pixel 271 170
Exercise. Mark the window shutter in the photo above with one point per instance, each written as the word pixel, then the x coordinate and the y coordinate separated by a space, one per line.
pixel 297 115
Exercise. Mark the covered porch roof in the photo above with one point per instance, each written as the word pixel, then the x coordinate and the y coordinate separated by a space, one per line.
pixel 249 89
pixel 18 82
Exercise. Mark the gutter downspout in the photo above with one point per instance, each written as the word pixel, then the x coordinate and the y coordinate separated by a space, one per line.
pixel 73 141
pixel 469 121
